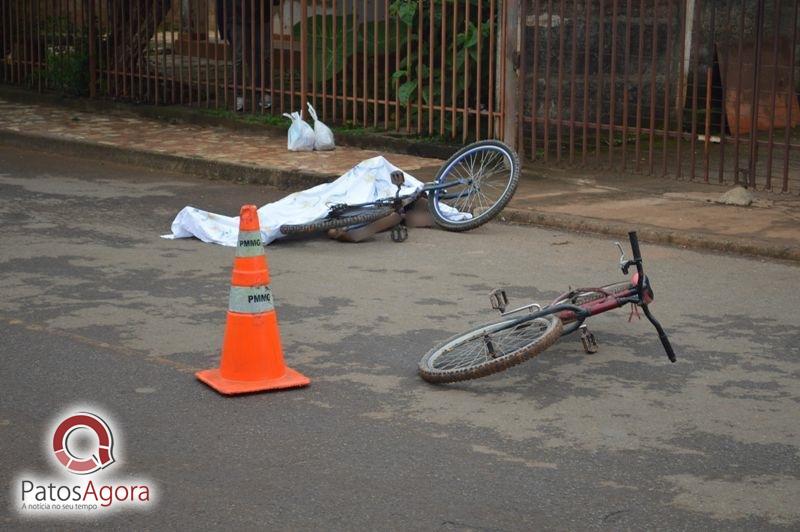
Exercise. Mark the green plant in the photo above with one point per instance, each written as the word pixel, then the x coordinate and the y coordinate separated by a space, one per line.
pixel 415 72
pixel 418 74
pixel 67 71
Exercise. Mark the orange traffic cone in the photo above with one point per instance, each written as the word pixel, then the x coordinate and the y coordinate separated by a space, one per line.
pixel 252 358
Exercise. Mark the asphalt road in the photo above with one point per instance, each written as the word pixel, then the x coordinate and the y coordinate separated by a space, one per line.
pixel 96 309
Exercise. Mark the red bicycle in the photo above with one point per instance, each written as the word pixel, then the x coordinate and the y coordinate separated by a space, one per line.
pixel 494 347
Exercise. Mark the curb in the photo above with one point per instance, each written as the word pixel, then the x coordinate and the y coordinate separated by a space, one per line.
pixel 652 234
pixel 240 173
pixel 299 179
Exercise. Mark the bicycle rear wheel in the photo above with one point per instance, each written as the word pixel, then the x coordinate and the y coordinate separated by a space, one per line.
pixel 350 217
pixel 490 171
pixel 489 348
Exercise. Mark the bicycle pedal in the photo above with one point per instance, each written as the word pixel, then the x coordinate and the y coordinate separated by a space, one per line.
pixel 399 233
pixel 498 299
pixel 398 178
pixel 588 340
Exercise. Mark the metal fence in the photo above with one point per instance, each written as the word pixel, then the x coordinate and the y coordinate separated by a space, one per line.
pixel 408 66
pixel 704 91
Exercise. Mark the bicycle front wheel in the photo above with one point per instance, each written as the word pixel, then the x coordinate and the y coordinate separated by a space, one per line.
pixel 351 217
pixel 484 176
pixel 489 348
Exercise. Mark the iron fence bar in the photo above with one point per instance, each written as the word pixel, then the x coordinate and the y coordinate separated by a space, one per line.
pixel 465 124
pixel 282 91
pixel 572 67
pixel 585 139
pixel 375 63
pixel 443 65
pixel 156 17
pixel 292 106
pixel 547 52
pixel 225 31
pixel 25 59
pixel 354 63
pixel 600 79
pixel 266 52
pixel 5 47
pixel 638 141
pixel 479 25
pixel 397 80
pixel 723 101
pixel 365 93
pixel 92 51
pixel 344 60
pixel 625 77
pixel 177 12
pixel 127 63
pixel 14 30
pixel 559 99
pixel 653 48
pixel 386 57
pixel 503 68
pixel 207 59
pixel 667 79
pixel 217 43
pixel 136 48
pixel 753 153
pixel 777 30
pixel 397 68
pixel 695 74
pixel 681 91
pixel 172 76
pixel 491 90
pixel 709 82
pixel 303 56
pixel 147 54
pixel 791 97
pixel 737 112
pixel 612 117
pixel 535 95
pixel 41 59
pixel 453 75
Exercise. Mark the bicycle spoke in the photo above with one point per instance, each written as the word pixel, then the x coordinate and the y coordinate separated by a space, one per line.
pixel 476 350
pixel 485 171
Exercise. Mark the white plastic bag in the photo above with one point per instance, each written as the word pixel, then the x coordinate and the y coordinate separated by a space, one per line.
pixel 323 140
pixel 301 136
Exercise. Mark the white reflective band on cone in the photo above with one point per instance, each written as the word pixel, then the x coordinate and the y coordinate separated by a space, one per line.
pixel 251 299
pixel 249 244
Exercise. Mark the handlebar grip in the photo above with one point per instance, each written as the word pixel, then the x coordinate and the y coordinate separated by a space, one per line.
pixel 637 255
pixel 667 347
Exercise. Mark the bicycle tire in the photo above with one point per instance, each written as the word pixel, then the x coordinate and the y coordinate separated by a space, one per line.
pixel 509 156
pixel 549 330
pixel 360 215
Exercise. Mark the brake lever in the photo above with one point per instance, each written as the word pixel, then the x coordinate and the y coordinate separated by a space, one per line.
pixel 623 261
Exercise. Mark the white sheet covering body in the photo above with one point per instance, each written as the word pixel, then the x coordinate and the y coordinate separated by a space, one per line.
pixel 367 181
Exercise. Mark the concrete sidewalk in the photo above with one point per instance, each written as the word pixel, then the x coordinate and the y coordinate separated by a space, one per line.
pixel 662 210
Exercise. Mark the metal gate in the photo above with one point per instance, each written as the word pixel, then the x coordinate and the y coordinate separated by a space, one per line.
pixel 704 91
pixel 427 68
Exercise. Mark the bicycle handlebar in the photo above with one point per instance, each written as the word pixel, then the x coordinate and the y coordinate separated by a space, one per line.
pixel 637 255
pixel 637 260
